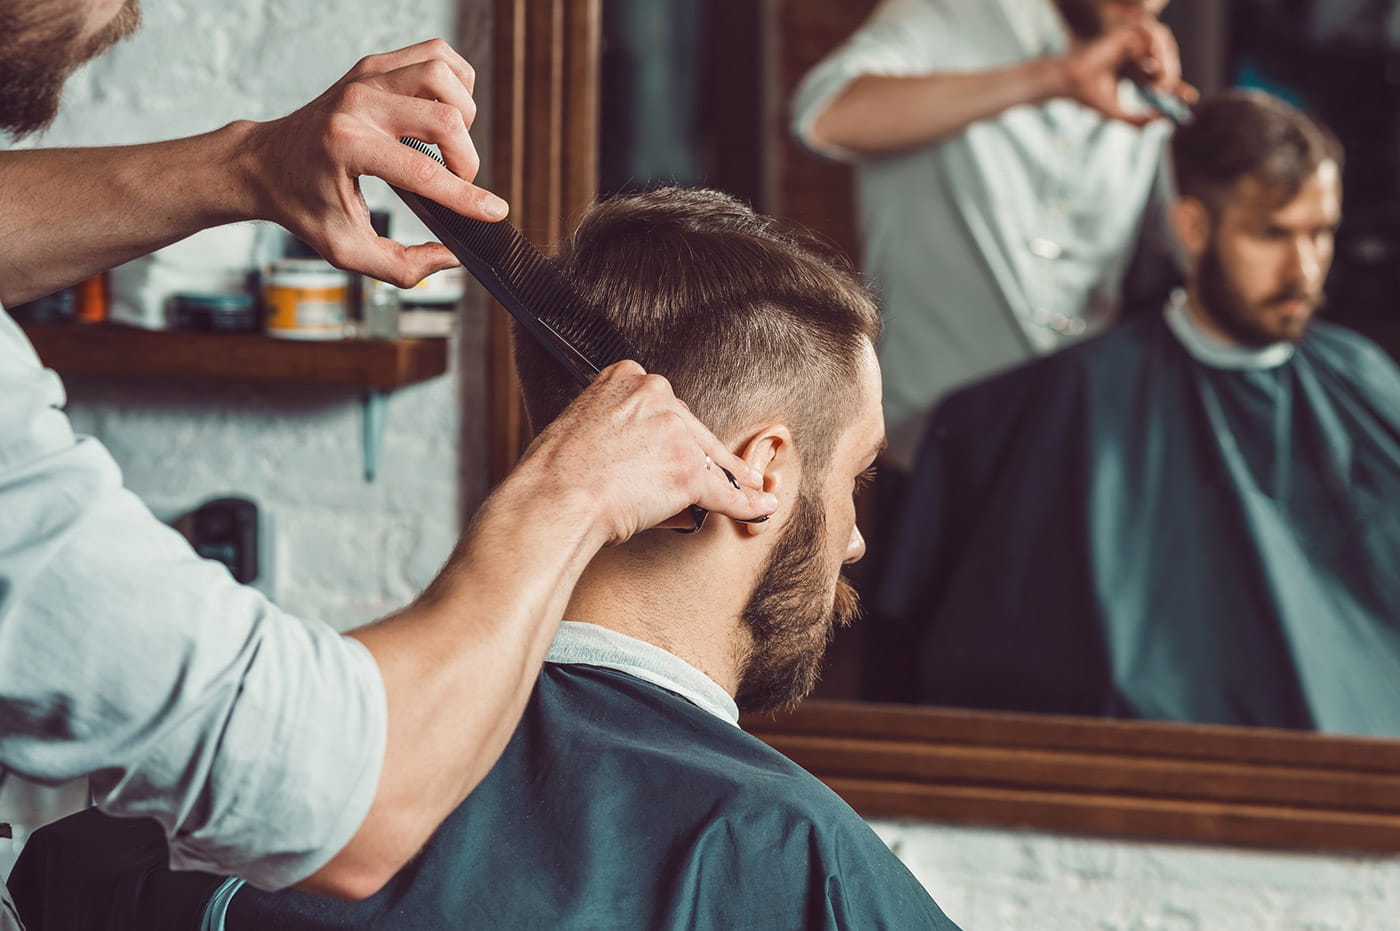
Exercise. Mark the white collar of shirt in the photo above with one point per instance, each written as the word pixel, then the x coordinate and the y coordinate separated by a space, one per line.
pixel 591 645
pixel 1208 350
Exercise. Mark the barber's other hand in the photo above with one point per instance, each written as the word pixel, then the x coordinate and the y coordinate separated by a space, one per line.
pixel 1093 70
pixel 639 454
pixel 305 168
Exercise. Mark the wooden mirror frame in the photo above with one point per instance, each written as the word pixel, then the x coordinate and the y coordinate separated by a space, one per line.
pixel 1134 779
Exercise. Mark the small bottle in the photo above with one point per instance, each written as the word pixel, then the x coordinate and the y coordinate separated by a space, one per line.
pixel 379 309
pixel 305 298
pixel 90 299
pixel 430 307
pixel 379 302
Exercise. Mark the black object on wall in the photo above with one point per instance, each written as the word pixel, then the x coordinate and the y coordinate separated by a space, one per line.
pixel 226 529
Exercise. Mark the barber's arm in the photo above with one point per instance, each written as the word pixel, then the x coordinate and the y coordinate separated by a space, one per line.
pixel 883 114
pixel 66 214
pixel 276 749
pixel 460 663
pixel 267 747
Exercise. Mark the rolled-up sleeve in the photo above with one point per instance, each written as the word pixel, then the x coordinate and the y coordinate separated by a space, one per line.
pixel 900 37
pixel 254 738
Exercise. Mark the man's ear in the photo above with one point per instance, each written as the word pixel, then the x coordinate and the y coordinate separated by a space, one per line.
pixel 1191 221
pixel 772 452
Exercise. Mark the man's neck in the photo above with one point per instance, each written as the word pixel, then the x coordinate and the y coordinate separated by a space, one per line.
pixel 679 608
pixel 1209 345
pixel 1205 324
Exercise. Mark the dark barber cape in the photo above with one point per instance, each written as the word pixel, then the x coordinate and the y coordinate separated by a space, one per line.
pixel 617 805
pixel 1122 529
pixel 91 870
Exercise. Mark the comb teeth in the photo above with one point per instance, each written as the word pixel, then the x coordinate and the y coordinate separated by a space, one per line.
pixel 526 283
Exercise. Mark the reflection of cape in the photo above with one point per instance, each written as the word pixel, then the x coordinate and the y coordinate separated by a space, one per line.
pixel 1119 529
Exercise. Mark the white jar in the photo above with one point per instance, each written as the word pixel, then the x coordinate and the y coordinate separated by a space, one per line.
pixel 305 299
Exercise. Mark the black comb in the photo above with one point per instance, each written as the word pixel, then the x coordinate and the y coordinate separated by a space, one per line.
pixel 531 288
pixel 526 283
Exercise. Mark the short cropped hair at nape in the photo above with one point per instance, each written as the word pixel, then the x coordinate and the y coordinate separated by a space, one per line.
pixel 749 320
pixel 1239 134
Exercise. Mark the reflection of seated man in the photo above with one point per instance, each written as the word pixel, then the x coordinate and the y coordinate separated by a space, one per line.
pixel 1195 516
pixel 628 797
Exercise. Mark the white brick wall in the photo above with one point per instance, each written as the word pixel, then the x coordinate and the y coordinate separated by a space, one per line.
pixel 350 551
pixel 346 551
pixel 997 880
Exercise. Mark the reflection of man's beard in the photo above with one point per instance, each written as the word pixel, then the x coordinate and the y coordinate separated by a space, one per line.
pixel 1250 324
pixel 791 616
pixel 37 59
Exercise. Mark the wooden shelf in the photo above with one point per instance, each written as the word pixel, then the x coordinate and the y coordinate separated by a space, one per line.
pixel 79 349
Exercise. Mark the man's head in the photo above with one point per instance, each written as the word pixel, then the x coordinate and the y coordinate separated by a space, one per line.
pixel 1089 19
pixel 42 42
pixel 771 345
pixel 1260 195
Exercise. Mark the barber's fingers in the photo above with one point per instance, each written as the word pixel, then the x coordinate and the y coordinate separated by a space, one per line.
pixel 304 168
pixel 722 481
pixel 367 122
pixel 700 457
pixel 429 50
pixel 1162 63
pixel 642 456
pixel 428 101
pixel 406 167
pixel 1096 69
pixel 393 261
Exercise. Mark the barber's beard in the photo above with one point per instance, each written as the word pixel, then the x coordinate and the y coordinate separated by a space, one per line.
pixel 38 54
pixel 792 615
pixel 1249 323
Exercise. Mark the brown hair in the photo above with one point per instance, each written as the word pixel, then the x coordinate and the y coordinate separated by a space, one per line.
pixel 1241 134
pixel 745 318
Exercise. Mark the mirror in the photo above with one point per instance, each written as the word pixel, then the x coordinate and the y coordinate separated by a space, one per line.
pixel 1188 781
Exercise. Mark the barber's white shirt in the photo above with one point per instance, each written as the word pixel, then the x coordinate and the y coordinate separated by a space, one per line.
pixel 1004 242
pixel 254 738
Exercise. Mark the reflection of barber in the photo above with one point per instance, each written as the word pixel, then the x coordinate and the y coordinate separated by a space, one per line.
pixel 1003 176
pixel 274 749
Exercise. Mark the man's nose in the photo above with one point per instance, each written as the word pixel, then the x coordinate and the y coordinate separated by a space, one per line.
pixel 1305 260
pixel 855 549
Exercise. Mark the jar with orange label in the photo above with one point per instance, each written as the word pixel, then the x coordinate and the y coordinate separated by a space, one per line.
pixel 305 299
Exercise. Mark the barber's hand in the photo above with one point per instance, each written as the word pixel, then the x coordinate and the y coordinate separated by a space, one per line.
pixel 641 456
pixel 1147 47
pixel 306 167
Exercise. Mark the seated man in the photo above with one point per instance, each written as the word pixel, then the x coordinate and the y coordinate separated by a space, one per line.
pixel 629 797
pixel 1195 516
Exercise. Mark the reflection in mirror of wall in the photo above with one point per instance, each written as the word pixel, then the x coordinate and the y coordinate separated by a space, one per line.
pixel 680 101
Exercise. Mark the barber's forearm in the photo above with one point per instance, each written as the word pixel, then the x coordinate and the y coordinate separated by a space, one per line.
pixel 459 666
pixel 885 114
pixel 67 214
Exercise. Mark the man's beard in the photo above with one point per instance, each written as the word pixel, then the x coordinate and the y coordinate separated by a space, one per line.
pixel 791 617
pixel 37 58
pixel 1250 324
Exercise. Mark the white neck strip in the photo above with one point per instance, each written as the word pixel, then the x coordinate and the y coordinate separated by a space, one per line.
pixel 591 645
pixel 1208 350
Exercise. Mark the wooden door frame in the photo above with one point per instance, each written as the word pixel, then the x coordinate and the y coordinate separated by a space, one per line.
pixel 545 154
